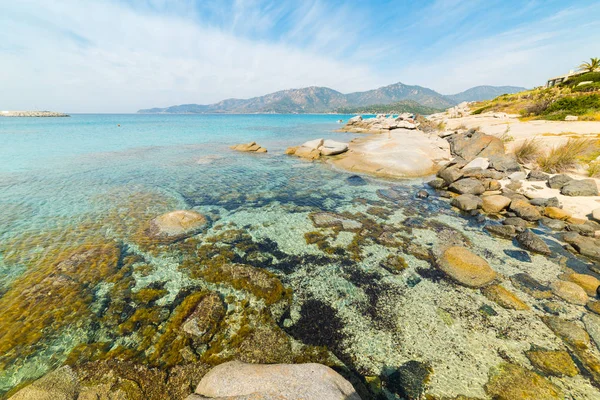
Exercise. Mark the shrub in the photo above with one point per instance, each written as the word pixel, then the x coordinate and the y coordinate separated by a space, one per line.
pixel 536 108
pixel 579 105
pixel 528 151
pixel 564 157
pixel 591 87
pixel 482 109
pixel 594 168
pixel 590 76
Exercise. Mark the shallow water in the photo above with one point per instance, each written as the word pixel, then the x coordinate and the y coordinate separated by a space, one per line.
pixel 84 187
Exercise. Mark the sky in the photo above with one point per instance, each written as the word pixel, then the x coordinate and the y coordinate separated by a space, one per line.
pixel 121 56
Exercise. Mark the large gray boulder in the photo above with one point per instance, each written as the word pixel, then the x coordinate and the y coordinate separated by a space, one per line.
pixel 504 163
pixel 584 187
pixel 468 186
pixel 476 144
pixel 237 380
pixel 558 181
pixel 467 202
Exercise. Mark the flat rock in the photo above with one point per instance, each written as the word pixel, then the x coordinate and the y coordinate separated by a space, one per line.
pixel 479 162
pixel 558 181
pixel 515 221
pixel 570 292
pixel 556 213
pixel 468 186
pixel 467 202
pixel 553 362
pixel 513 382
pixel 504 163
pixel 584 187
pixel 466 268
pixel 587 282
pixel 525 210
pixel 568 331
pixel 476 144
pixel 327 220
pixel 331 148
pixel 592 326
pixel 495 204
pixel 526 283
pixel 504 297
pixel 517 176
pixel 313 144
pixel 532 242
pixel 282 381
pixel 554 224
pixel 175 225
pixel 249 147
pixel 60 384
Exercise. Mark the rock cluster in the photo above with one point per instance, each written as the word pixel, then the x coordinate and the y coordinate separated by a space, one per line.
pixel 249 147
pixel 380 124
pixel 315 149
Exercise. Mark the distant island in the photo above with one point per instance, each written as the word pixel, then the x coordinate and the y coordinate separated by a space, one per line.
pixel 316 99
pixel 32 114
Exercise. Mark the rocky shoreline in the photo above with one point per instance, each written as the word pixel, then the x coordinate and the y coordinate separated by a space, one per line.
pixel 37 114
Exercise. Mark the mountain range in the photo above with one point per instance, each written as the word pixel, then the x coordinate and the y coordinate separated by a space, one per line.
pixel 317 99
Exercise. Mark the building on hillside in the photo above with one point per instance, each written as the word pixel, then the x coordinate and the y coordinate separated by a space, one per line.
pixel 560 79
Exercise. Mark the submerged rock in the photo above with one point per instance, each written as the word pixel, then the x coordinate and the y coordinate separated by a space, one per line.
pixel 175 225
pixel 553 362
pixel 504 297
pixel 465 267
pixel 356 180
pixel 513 382
pixel 276 381
pixel 328 220
pixel 503 231
pixel 532 242
pixel 570 292
pixel 467 202
pixel 568 331
pixel 529 285
pixel 202 323
pixel 60 384
pixel 249 147
pixel 588 283
pixel 410 380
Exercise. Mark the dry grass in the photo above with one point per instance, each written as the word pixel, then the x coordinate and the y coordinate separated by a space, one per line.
pixel 594 169
pixel 565 156
pixel 528 151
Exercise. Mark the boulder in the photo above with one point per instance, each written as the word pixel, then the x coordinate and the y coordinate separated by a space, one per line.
pixel 308 153
pixel 467 202
pixel 554 224
pixel 331 148
pixel 313 144
pixel 584 245
pixel 584 229
pixel 570 292
pixel 290 151
pixel 467 186
pixel 587 282
pixel 479 162
pixel 275 381
pixel 504 163
pixel 552 362
pixel 249 147
pixel 515 221
pixel 517 176
pixel 513 382
pixel 354 120
pixel 437 183
pixel 473 145
pixel 537 175
pixel 495 204
pixel 175 225
pixel 464 267
pixel 556 213
pixel 532 242
pixel 503 231
pixel 504 297
pixel 450 174
pixel 524 210
pixel 570 332
pixel 584 187
pixel 558 181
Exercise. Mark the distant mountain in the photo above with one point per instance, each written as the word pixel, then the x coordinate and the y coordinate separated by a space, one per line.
pixel 479 93
pixel 399 107
pixel 317 99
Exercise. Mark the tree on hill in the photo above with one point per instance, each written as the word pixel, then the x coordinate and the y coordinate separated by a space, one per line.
pixel 591 66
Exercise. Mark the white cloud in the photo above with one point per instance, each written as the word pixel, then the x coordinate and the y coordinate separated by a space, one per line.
pixel 102 57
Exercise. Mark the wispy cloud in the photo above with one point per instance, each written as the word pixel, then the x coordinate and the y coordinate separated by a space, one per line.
pixel 109 55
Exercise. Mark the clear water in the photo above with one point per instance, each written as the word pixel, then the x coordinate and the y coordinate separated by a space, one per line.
pixel 85 180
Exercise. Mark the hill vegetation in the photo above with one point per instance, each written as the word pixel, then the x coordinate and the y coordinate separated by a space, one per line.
pixel 405 106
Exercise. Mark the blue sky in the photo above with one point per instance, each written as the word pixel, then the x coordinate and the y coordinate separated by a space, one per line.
pixel 119 56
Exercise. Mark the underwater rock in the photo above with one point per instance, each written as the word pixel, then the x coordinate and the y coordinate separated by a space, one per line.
pixel 356 180
pixel 249 147
pixel 394 264
pixel 175 225
pixel 588 283
pixel 532 242
pixel 276 381
pixel 568 331
pixel 203 321
pixel 529 285
pixel 439 183
pixel 570 292
pixel 467 186
pixel 422 194
pixel 593 306
pixel 503 231
pixel 504 297
pixel 553 362
pixel 513 382
pixel 554 224
pixel 592 326
pixel 465 267
pixel 328 220
pixel 410 380
pixel 60 384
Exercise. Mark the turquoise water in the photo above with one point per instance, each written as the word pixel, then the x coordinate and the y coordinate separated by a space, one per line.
pixel 80 283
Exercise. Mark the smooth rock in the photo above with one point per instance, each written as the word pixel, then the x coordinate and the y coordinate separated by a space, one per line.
pixel 356 180
pixel 584 187
pixel 568 331
pixel 526 283
pixel 437 183
pixel 504 163
pixel 495 204
pixel 532 242
pixel 593 306
pixel 175 225
pixel 327 219
pixel 422 194
pixel 60 384
pixel 537 175
pixel 558 181
pixel 467 186
pixel 513 382
pixel 525 210
pixel 503 231
pixel 553 362
pixel 517 176
pixel 554 224
pixel 465 267
pixel 285 381
pixel 592 326
pixel 570 292
pixel 479 162
pixel 473 145
pixel 504 297
pixel 313 144
pixel 515 221
pixel 588 283
pixel 467 202
pixel 556 213
pixel 331 148
pixel 308 153
pixel 596 214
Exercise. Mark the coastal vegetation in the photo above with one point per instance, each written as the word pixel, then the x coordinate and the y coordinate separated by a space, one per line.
pixel 405 106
